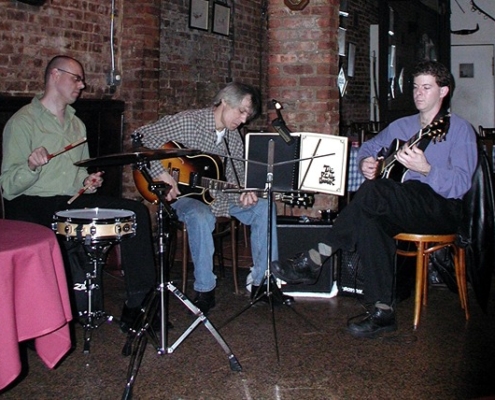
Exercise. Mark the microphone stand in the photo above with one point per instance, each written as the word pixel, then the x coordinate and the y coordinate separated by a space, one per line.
pixel 272 290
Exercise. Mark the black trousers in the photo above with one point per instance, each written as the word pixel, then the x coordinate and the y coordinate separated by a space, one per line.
pixel 380 210
pixel 137 252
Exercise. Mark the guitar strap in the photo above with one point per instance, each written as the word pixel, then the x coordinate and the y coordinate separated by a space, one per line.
pixel 225 160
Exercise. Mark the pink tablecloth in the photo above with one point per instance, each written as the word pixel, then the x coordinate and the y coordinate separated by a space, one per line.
pixel 34 299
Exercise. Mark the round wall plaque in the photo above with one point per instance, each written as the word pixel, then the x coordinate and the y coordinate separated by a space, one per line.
pixel 33 2
pixel 296 4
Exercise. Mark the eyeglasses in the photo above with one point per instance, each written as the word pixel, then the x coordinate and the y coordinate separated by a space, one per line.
pixel 78 78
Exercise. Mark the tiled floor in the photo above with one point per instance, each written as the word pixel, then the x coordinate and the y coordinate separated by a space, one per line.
pixel 446 358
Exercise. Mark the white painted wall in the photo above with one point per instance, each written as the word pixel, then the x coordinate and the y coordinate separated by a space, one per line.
pixel 479 110
pixel 468 20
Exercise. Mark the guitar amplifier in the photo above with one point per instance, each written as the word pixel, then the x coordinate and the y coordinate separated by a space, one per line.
pixel 296 237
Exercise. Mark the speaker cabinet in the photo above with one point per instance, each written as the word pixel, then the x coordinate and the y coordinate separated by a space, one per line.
pixel 349 279
pixel 293 238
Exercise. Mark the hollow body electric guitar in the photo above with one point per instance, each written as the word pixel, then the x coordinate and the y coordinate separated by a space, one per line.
pixel 197 175
pixel 389 167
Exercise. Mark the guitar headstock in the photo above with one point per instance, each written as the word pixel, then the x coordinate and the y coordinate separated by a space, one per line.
pixel 299 199
pixel 437 130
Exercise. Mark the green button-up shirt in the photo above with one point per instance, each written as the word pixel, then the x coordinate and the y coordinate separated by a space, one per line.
pixel 34 126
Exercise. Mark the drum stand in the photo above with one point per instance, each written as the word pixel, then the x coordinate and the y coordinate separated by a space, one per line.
pixel 92 319
pixel 158 300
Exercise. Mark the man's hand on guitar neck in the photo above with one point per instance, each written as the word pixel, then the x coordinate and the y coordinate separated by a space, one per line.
pixel 413 159
pixel 248 199
pixel 174 191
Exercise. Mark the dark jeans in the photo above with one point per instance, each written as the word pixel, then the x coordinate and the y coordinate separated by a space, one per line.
pixel 137 252
pixel 380 210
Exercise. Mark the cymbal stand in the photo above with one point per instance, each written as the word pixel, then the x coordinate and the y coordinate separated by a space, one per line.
pixel 158 299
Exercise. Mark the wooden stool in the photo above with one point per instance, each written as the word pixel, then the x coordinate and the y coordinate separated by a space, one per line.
pixel 218 235
pixel 425 245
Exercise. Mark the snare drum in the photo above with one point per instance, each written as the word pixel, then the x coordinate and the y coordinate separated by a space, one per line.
pixel 97 224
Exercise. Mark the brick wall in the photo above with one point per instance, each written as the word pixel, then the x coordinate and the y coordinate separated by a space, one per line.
pixel 303 64
pixel 167 67
pixel 195 64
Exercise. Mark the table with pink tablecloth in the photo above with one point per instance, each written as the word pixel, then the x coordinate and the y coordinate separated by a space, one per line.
pixel 34 298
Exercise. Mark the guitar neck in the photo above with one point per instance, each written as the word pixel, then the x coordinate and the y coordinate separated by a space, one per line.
pixel 216 184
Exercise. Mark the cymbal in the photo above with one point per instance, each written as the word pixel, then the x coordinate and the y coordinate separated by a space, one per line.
pixel 135 157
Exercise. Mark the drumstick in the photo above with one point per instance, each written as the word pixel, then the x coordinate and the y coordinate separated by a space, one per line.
pixel 80 192
pixel 67 148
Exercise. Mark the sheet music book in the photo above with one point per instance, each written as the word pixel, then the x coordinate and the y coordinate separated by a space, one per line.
pixel 326 172
pixel 323 167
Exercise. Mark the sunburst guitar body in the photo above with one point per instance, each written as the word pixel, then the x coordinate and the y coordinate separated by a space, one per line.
pixel 196 175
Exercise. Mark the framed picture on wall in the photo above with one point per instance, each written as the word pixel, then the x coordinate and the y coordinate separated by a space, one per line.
pixel 221 19
pixel 198 14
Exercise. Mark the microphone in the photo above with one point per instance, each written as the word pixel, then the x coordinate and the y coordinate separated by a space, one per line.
pixel 280 125
pixel 271 160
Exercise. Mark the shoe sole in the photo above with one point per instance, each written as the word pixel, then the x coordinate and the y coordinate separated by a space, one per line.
pixel 374 334
pixel 292 281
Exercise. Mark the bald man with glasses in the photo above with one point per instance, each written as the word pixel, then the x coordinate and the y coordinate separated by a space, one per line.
pixel 37 185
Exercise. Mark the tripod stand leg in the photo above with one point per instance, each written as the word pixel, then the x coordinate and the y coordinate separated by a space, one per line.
pixel 137 352
pixel 274 325
pixel 234 363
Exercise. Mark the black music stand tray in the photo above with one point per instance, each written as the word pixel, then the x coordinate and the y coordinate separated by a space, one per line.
pixel 158 299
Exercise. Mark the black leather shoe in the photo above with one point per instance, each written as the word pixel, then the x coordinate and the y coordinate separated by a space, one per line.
pixel 300 269
pixel 379 321
pixel 205 301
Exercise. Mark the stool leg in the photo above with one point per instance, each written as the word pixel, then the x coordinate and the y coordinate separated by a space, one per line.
pixel 419 284
pixel 460 274
pixel 425 277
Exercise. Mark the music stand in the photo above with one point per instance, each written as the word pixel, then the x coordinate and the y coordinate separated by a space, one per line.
pixel 272 289
pixel 158 300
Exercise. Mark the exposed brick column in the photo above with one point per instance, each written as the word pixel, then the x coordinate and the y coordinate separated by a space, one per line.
pixel 303 64
pixel 139 51
pixel 302 71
